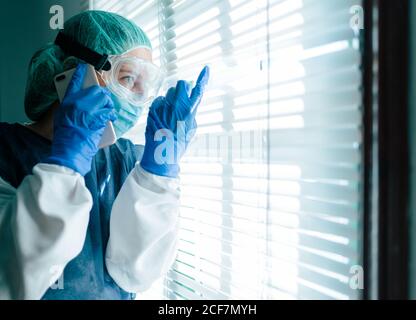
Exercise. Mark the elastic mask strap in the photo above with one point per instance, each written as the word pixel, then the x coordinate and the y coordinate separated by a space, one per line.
pixel 74 48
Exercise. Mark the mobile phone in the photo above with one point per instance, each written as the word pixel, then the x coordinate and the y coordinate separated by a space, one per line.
pixel 62 81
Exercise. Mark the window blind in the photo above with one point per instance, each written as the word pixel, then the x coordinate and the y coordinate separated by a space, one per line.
pixel 271 204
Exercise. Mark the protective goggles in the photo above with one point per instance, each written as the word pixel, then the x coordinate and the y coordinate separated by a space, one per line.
pixel 130 78
pixel 136 80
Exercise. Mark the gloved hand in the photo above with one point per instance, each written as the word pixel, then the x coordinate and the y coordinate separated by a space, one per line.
pixel 171 125
pixel 79 124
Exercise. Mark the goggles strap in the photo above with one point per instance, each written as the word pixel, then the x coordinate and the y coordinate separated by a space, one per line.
pixel 74 48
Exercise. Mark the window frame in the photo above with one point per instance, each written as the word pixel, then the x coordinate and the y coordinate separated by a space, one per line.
pixel 386 146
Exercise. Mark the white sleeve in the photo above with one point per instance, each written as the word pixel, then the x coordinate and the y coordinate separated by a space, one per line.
pixel 143 230
pixel 43 224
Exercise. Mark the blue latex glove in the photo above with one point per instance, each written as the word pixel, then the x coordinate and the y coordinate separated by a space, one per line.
pixel 171 125
pixel 79 124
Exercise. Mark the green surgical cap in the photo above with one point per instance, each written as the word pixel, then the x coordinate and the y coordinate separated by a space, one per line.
pixel 103 32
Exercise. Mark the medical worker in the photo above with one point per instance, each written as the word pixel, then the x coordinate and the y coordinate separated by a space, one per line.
pixel 78 221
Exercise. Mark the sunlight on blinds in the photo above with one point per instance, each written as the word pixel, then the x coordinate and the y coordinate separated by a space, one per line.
pixel 271 204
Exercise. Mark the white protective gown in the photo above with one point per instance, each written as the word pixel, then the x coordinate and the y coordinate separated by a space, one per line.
pixel 43 224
